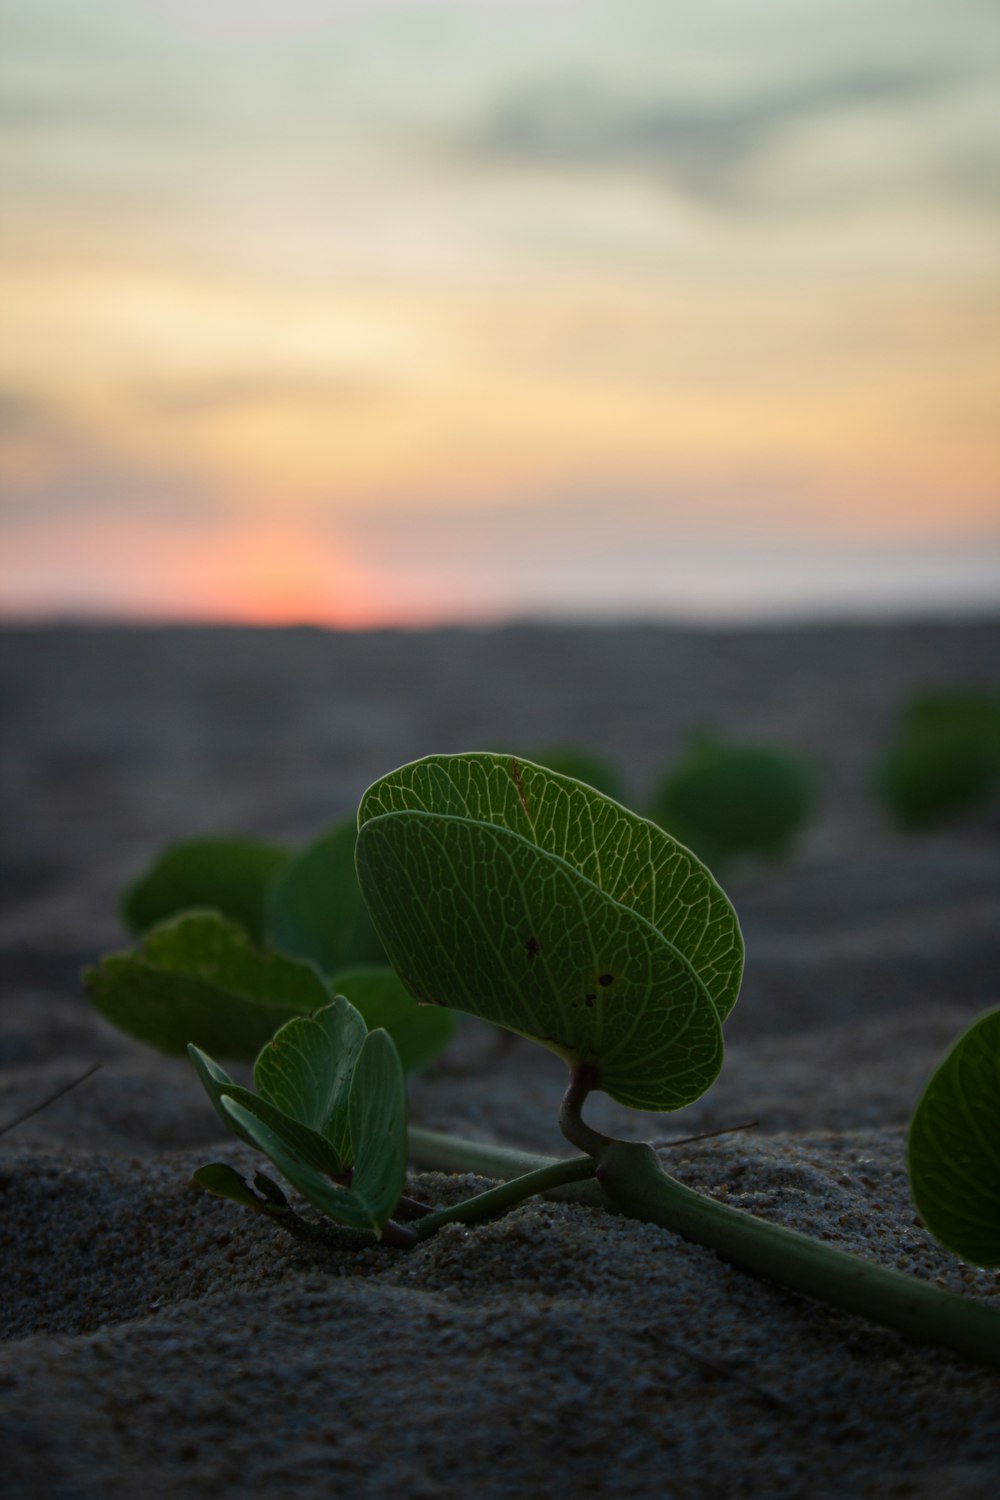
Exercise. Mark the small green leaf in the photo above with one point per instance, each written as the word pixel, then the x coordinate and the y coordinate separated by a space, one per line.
pixel 225 1182
pixel 227 874
pixel 217 1083
pixel 953 1148
pixel 331 1077
pixel 420 1032
pixel 314 906
pixel 378 1127
pixel 269 1189
pixel 630 859
pixel 312 1147
pixel 377 1112
pixel 199 979
pixel 315 1186
pixel 480 919
pixel 305 1071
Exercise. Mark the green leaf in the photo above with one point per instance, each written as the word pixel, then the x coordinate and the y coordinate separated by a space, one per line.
pixel 377 1114
pixel 478 918
pixel 226 1182
pixel 308 1143
pixel 953 1148
pixel 269 1190
pixel 338 1203
pixel 630 859
pixel 199 979
pixel 944 758
pixel 931 776
pixel 729 800
pixel 227 874
pixel 420 1032
pixel 332 1097
pixel 378 1127
pixel 305 1071
pixel 217 1083
pixel 314 908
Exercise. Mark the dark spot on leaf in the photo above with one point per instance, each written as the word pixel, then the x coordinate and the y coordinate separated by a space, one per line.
pixel 606 979
pixel 533 947
pixel 588 1000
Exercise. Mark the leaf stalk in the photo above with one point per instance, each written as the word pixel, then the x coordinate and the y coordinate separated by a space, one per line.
pixel 507 1195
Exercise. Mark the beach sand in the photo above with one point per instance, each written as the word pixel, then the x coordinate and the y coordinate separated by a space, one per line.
pixel 161 1342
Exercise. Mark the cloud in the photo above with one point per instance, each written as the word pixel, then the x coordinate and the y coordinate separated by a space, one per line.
pixel 107 494
pixel 552 530
pixel 703 149
pixel 236 392
pixel 690 552
pixel 24 416
pixel 61 106
pixel 53 468
pixel 39 439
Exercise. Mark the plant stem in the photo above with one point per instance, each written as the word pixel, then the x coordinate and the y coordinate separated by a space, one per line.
pixel 401 1236
pixel 634 1183
pixel 329 1235
pixel 632 1176
pixel 571 1121
pixel 499 1199
pixel 437 1152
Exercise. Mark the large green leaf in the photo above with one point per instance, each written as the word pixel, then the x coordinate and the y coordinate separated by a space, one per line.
pixel 630 859
pixel 954 1146
pixel 316 1151
pixel 314 906
pixel 198 978
pixel 420 1032
pixel 227 874
pixel 478 918
pixel 306 1069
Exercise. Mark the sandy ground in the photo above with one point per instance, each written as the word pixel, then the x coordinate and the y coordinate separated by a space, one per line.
pixel 159 1342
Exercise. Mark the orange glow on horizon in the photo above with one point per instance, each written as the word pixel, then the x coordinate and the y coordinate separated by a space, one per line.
pixel 253 571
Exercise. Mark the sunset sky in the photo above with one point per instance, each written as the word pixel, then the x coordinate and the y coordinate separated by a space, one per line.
pixel 386 312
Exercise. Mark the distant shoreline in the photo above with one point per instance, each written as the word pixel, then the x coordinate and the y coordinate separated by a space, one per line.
pixel 777 624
